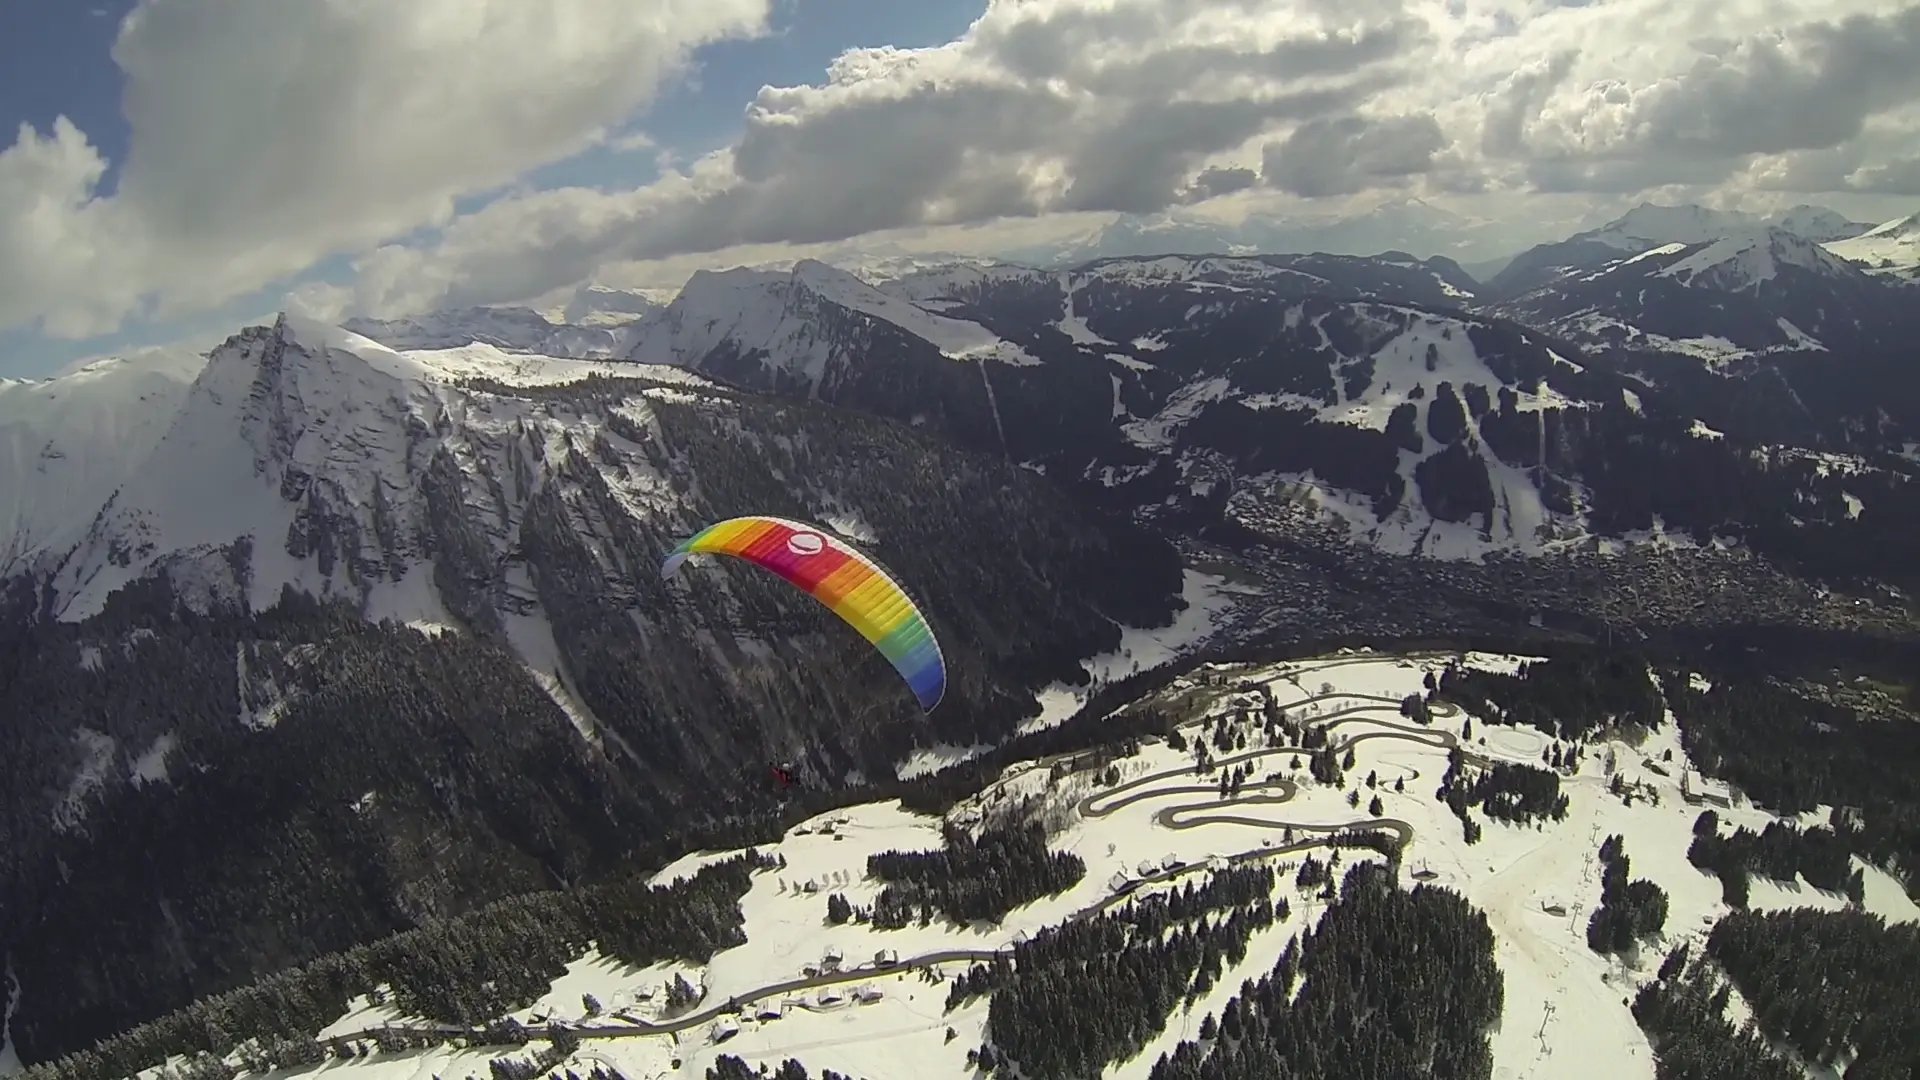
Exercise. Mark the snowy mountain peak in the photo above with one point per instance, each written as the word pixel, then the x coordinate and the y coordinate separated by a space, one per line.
pixel 1817 223
pixel 603 305
pixel 1749 257
pixel 309 455
pixel 804 322
pixel 1651 224
pixel 1890 251
pixel 1905 227
pixel 67 442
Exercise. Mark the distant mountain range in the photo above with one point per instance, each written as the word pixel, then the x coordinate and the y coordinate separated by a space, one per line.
pixel 376 612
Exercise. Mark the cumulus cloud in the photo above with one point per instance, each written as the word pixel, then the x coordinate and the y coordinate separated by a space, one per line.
pixel 1592 117
pixel 1041 108
pixel 1138 105
pixel 1345 154
pixel 268 136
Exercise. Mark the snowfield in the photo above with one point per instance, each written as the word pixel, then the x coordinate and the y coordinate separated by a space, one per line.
pixel 1566 1013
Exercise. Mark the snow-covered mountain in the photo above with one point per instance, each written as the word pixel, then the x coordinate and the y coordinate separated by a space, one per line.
pixel 1891 250
pixel 597 322
pixel 515 328
pixel 317 442
pixel 1650 226
pixel 1351 394
pixel 603 305
pixel 1818 224
pixel 805 325
pixel 1355 389
pixel 66 443
pixel 1751 291
pixel 515 509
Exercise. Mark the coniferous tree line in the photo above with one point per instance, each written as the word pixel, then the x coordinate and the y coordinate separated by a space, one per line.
pixel 1079 996
pixel 462 972
pixel 1684 1013
pixel 1780 852
pixel 309 836
pixel 1390 985
pixel 969 879
pixel 1571 696
pixel 1792 754
pixel 1837 986
pixel 1630 910
pixel 1509 792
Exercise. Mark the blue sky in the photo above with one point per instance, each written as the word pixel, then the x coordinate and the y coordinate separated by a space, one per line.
pixel 55 59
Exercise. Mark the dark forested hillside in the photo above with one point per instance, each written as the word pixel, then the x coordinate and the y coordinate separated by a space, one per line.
pixel 399 778
pixel 466 971
pixel 1423 958
pixel 1831 989
pixel 276 784
pixel 1792 751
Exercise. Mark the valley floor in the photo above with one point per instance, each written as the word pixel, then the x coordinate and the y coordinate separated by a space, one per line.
pixel 1566 1013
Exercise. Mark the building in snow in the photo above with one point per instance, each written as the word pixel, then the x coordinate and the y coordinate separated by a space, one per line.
pixel 831 960
pixel 1118 881
pixel 725 1028
pixel 1146 867
pixel 1701 790
pixel 769 1010
pixel 829 997
pixel 886 958
pixel 1217 863
pixel 866 994
pixel 1171 862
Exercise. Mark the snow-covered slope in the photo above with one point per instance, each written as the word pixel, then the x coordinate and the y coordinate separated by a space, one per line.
pixel 1891 249
pixel 67 442
pixel 1565 1008
pixel 1749 258
pixel 1648 226
pixel 1818 224
pixel 316 443
pixel 603 305
pixel 804 324
pixel 1752 291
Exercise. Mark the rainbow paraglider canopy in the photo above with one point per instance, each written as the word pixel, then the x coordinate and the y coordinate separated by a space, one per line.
pixel 849 583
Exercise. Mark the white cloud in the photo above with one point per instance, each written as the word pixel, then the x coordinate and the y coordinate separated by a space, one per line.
pixel 1042 108
pixel 1046 106
pixel 268 136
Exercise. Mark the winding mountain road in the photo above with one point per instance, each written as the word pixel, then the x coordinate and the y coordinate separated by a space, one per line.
pixel 1188 815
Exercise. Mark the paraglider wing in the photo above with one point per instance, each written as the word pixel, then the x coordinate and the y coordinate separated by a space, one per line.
pixel 849 583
